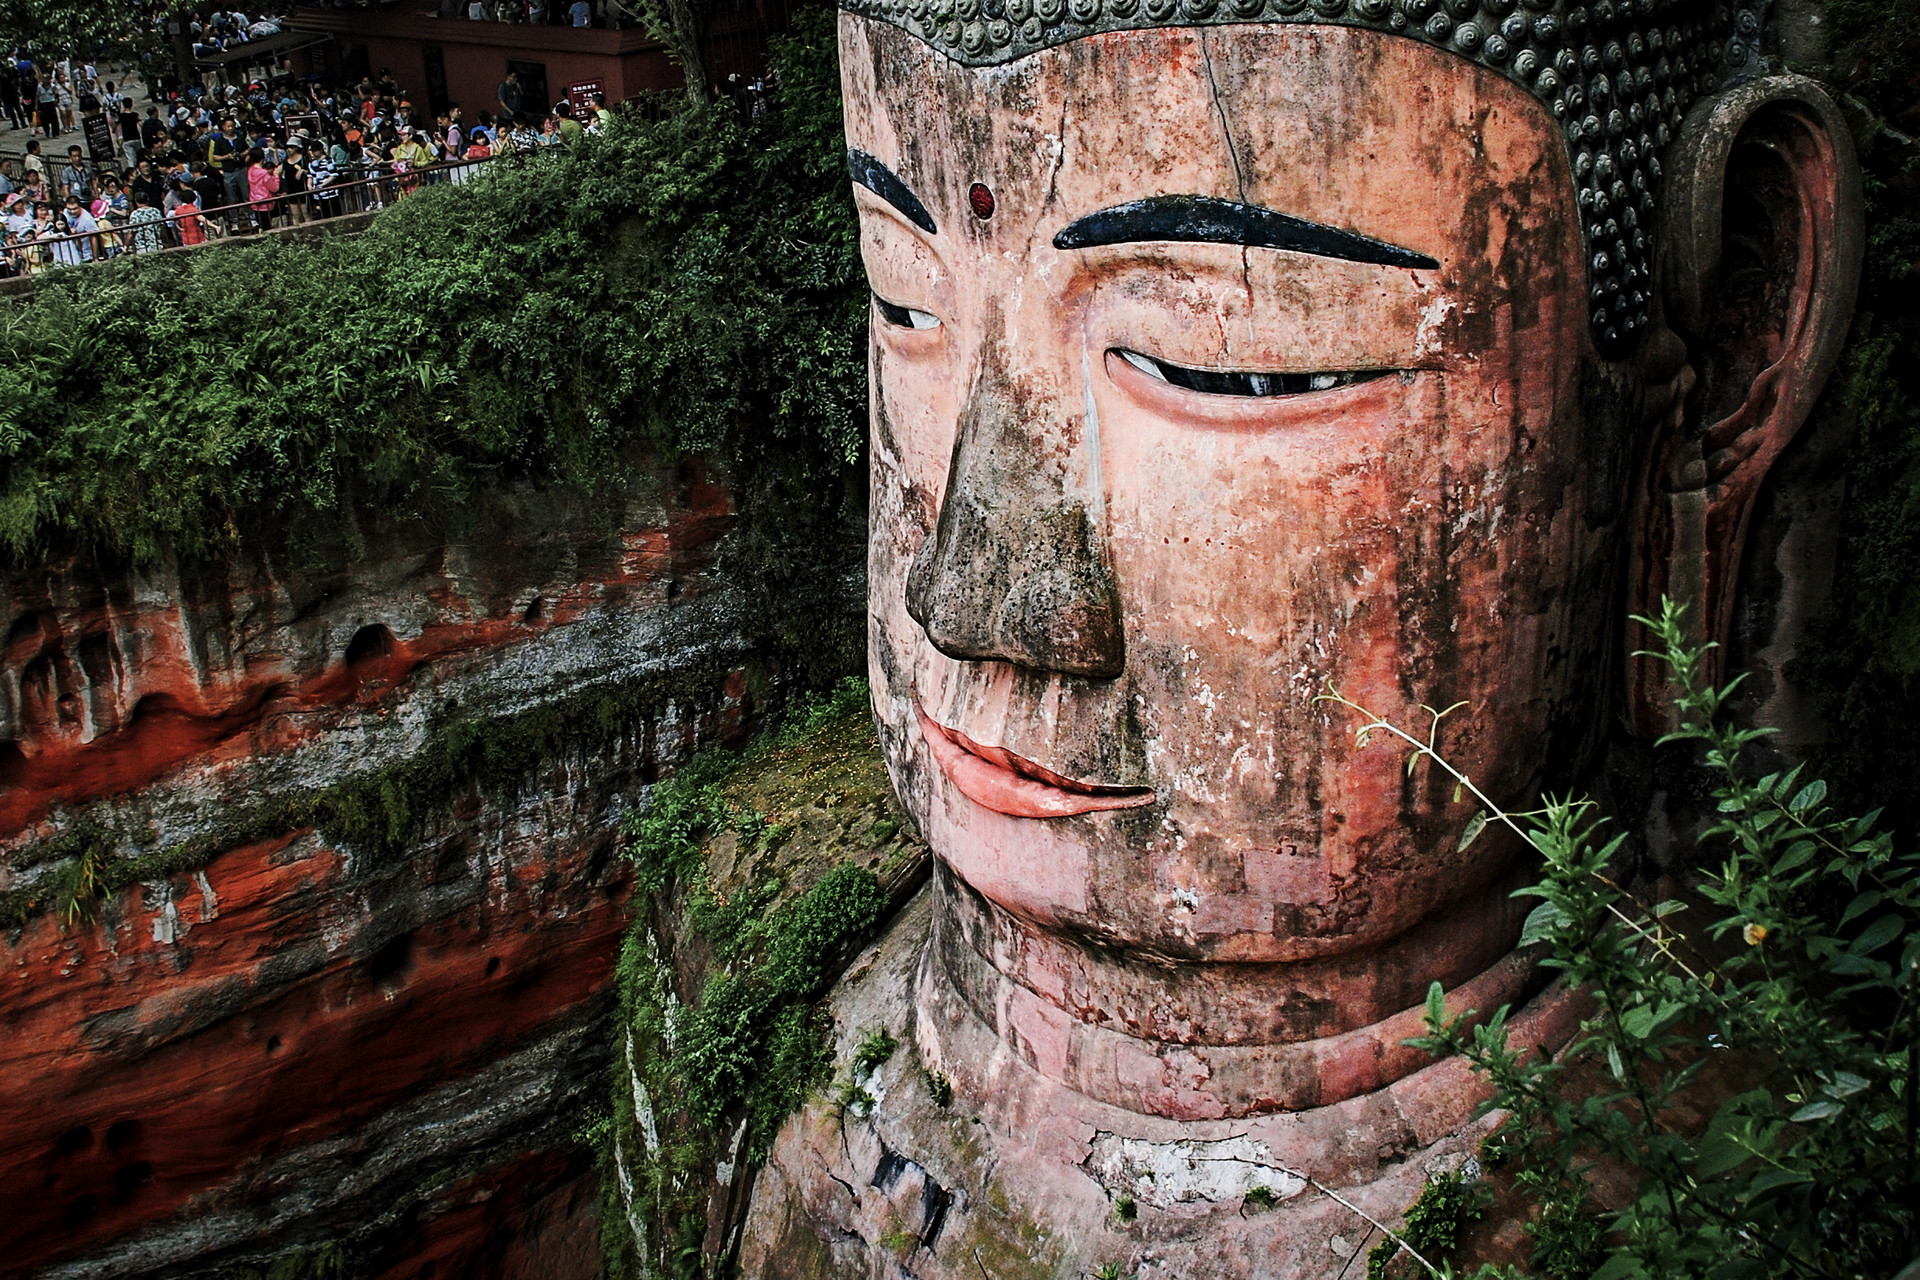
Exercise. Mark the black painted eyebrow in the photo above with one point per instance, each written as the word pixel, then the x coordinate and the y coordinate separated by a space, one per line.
pixel 1210 220
pixel 886 184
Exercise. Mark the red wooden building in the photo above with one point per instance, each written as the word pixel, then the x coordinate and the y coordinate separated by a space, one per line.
pixel 443 60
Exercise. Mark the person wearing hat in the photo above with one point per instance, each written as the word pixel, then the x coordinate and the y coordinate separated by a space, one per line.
pixel 19 216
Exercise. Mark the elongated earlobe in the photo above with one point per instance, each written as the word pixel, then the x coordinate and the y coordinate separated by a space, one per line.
pixel 1761 245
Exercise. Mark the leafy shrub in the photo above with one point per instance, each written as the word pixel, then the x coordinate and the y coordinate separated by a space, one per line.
pixel 688 284
pixel 722 1072
pixel 1811 1172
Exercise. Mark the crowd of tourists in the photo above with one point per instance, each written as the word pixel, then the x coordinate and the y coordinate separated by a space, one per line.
pixel 233 159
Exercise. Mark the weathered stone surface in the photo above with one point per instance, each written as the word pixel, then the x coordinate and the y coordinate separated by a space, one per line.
pixel 366 1051
pixel 811 801
pixel 1022 1177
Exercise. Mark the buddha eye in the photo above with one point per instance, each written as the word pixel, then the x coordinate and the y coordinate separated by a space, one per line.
pixel 905 317
pixel 1224 382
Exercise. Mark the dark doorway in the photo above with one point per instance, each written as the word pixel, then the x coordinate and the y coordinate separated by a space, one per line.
pixel 355 65
pixel 534 102
pixel 436 68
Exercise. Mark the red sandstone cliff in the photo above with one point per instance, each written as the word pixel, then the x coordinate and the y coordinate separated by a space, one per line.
pixel 352 1006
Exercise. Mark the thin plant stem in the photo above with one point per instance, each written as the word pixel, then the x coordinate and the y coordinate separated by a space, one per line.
pixel 1428 749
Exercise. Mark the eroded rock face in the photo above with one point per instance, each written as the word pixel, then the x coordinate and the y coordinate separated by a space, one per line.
pixel 344 997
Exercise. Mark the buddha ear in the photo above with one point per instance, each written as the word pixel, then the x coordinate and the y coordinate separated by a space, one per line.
pixel 1761 238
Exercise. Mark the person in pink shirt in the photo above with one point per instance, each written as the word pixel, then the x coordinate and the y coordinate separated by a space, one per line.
pixel 262 186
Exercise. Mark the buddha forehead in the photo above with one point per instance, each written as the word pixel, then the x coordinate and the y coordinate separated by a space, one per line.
pixel 1415 182
pixel 1611 82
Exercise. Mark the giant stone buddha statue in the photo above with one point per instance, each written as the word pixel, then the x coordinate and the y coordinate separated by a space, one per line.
pixel 1226 352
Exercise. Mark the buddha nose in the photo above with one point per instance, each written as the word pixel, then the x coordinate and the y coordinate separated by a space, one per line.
pixel 1015 569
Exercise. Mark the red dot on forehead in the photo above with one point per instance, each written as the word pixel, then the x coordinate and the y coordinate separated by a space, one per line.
pixel 981 199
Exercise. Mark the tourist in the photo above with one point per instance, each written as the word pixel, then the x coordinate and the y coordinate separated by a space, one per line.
pixel 111 210
pixel 10 92
pixel 192 159
pixel 188 225
pixel 77 178
pixel 210 191
pixel 144 226
pixel 63 95
pixel 46 106
pixel 507 94
pixel 81 231
pixel 145 182
pixel 233 165
pixel 263 184
pixel 127 122
pixel 293 181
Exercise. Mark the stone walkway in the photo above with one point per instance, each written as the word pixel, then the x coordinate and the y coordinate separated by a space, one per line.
pixel 13 142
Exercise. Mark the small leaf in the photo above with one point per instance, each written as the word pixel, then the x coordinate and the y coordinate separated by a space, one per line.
pixel 1848 965
pixel 1845 1084
pixel 1667 908
pixel 1541 922
pixel 1614 1064
pixel 1768 1180
pixel 1816 1111
pixel 1436 1005
pixel 1810 795
pixel 1878 934
pixel 1621 1266
pixel 1475 825
pixel 1860 906
pixel 1798 854
pixel 1456 791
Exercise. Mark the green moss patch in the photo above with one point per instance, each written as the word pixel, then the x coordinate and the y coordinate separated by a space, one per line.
pixel 766 871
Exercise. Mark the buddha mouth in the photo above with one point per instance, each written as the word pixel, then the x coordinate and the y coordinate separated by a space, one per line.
pixel 997 779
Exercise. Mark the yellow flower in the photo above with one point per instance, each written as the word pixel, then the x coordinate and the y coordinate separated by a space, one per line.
pixel 1755 934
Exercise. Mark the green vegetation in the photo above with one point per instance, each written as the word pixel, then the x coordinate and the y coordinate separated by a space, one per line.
pixel 689 284
pixel 1793 1013
pixel 1435 1223
pixel 868 1057
pixel 756 948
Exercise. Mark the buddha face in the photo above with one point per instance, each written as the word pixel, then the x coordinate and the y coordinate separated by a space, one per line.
pixel 1214 370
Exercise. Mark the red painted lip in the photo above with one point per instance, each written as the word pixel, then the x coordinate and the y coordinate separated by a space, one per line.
pixel 997 779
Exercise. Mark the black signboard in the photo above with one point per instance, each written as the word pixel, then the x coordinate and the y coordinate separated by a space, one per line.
pixel 99 140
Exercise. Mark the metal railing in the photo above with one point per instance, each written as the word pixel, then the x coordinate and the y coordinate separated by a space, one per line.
pixel 30 255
